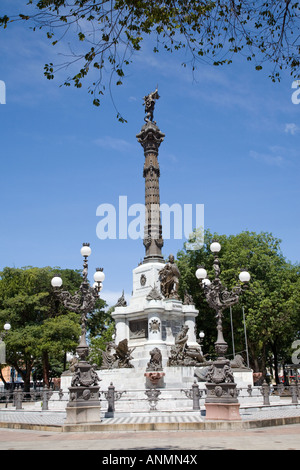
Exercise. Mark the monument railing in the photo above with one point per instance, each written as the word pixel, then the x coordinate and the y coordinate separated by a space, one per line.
pixel 194 397
pixel 19 397
pixel 148 400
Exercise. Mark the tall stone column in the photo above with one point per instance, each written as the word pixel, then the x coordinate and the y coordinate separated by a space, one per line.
pixel 150 138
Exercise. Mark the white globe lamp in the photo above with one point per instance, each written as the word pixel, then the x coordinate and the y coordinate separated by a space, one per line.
pixel 56 281
pixel 201 273
pixel 244 276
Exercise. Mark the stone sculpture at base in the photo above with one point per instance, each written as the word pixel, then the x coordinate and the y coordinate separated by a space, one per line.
pixel 118 359
pixel 155 362
pixel 183 355
pixel 154 372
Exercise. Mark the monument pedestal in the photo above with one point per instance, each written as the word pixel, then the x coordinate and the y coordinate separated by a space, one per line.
pixel 84 399
pixel 150 320
pixel 83 406
pixel 83 415
pixel 221 401
pixel 223 411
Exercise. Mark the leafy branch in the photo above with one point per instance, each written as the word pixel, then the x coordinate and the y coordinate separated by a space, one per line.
pixel 111 32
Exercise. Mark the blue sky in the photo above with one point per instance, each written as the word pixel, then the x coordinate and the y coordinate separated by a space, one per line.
pixel 232 144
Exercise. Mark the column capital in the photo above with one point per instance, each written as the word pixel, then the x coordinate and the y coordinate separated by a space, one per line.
pixel 150 137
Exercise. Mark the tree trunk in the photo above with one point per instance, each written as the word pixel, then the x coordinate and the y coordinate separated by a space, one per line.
pixel 26 377
pixel 263 362
pixel 25 374
pixel 274 350
pixel 254 360
pixel 65 361
pixel 46 368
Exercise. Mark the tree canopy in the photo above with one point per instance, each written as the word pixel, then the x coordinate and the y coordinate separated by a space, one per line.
pixel 41 329
pixel 272 311
pixel 110 32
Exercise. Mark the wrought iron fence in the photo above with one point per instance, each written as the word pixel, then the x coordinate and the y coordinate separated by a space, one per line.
pixel 193 398
pixel 18 397
pixel 146 400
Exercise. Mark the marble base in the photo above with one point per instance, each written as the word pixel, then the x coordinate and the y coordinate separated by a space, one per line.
pixel 149 322
pixel 134 382
pixel 223 411
pixel 83 414
pixel 132 379
pixel 84 405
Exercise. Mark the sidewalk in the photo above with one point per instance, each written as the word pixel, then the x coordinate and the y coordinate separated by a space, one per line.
pixel 35 431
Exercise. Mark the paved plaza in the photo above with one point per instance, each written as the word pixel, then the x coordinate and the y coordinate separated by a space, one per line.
pixel 270 438
pixel 269 428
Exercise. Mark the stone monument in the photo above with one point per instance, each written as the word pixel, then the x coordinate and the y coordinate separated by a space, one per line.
pixel 155 314
pixel 154 323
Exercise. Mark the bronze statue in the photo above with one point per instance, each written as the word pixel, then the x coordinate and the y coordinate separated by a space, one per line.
pixel 188 299
pixel 238 362
pixel 121 301
pixel 154 294
pixel 109 359
pixel 124 354
pixel 149 103
pixel 155 362
pixel 182 339
pixel 169 279
pixel 183 355
pixel 118 359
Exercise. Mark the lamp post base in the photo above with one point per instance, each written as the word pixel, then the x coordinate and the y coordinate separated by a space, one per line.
pixel 84 405
pixel 83 415
pixel 221 401
pixel 223 411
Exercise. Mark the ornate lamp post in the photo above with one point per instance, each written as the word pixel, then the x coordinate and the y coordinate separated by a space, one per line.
pixel 221 400
pixel 200 341
pixel 6 328
pixel 84 404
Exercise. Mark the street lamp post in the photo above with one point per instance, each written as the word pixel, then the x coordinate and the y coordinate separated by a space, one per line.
pixel 84 403
pixel 200 340
pixel 6 328
pixel 221 399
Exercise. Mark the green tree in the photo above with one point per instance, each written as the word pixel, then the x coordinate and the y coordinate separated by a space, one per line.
pixel 101 327
pixel 56 336
pixel 98 343
pixel 111 32
pixel 40 326
pixel 99 319
pixel 271 303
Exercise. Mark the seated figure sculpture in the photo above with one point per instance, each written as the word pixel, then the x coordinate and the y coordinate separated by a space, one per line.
pixel 183 355
pixel 118 359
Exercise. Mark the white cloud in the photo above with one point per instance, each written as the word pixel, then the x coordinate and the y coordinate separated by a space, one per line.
pixel 291 128
pixel 114 143
pixel 268 158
